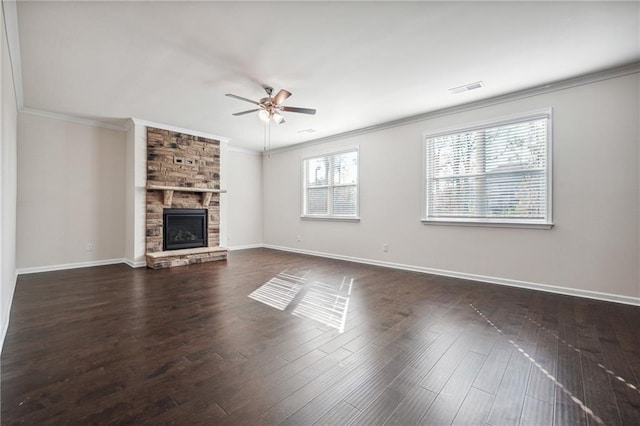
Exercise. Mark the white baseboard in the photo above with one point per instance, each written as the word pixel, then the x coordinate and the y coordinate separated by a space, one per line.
pixel 5 326
pixel 131 263
pixel 473 277
pixel 245 247
pixel 50 268
pixel 135 263
pixel 608 297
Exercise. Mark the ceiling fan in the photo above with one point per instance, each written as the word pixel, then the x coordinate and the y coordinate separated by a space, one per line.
pixel 271 107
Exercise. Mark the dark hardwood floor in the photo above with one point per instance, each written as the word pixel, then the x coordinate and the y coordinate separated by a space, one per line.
pixel 115 345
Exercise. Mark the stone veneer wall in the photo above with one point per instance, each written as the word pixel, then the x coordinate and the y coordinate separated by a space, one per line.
pixel 163 146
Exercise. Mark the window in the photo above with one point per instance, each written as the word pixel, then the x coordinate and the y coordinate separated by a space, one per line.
pixel 498 173
pixel 331 186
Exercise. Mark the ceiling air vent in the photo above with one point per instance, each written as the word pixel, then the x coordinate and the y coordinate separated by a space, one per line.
pixel 466 87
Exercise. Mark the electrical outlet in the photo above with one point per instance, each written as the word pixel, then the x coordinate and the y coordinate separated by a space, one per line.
pixel 299 238
pixel 89 247
pixel 385 247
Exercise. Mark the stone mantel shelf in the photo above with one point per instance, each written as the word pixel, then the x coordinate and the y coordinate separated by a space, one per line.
pixel 168 192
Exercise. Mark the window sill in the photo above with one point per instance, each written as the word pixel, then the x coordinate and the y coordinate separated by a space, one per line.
pixel 488 223
pixel 331 218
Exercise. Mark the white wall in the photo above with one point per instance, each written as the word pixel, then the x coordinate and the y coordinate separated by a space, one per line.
pixel 135 203
pixel 129 202
pixel 224 183
pixel 244 199
pixel 8 167
pixel 592 248
pixel 71 193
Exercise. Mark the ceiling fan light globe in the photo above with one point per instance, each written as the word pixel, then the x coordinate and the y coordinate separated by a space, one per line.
pixel 277 118
pixel 264 115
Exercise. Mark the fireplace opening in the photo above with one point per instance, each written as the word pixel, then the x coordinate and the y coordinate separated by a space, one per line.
pixel 184 228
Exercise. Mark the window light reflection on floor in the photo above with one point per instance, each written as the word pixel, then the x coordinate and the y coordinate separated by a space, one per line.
pixel 326 304
pixel 280 290
pixel 322 302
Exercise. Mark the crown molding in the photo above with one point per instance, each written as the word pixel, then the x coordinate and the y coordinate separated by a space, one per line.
pixel 244 151
pixel 621 71
pixel 71 119
pixel 129 124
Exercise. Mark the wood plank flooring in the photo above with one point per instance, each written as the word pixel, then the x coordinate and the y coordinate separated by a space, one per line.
pixel 187 346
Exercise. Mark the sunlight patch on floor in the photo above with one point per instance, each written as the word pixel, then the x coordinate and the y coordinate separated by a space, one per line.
pixel 326 303
pixel 322 302
pixel 279 291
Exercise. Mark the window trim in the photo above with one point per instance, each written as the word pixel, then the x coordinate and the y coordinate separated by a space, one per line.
pixel 330 217
pixel 546 223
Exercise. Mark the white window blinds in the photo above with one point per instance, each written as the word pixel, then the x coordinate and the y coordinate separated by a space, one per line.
pixel 331 185
pixel 495 173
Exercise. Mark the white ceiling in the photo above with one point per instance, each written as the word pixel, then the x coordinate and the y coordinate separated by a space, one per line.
pixel 359 63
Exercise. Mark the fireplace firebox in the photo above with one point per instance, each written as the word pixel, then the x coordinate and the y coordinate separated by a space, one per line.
pixel 184 228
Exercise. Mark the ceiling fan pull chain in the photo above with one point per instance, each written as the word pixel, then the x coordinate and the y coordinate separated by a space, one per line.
pixel 269 146
pixel 269 125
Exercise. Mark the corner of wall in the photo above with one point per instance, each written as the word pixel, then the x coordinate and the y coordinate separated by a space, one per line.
pixel 8 165
pixel 129 202
pixel 638 145
pixel 139 164
pixel 224 200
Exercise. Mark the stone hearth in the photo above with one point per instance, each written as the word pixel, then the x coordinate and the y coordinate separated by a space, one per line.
pixel 168 259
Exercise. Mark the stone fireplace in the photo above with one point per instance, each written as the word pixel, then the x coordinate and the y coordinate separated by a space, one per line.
pixel 182 199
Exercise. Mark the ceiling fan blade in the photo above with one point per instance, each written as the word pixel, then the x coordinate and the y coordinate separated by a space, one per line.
pixel 280 96
pixel 297 109
pixel 242 99
pixel 246 112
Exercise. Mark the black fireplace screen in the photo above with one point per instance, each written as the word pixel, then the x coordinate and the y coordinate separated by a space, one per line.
pixel 184 228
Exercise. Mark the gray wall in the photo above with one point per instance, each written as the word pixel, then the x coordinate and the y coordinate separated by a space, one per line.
pixel 244 199
pixel 71 193
pixel 594 246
